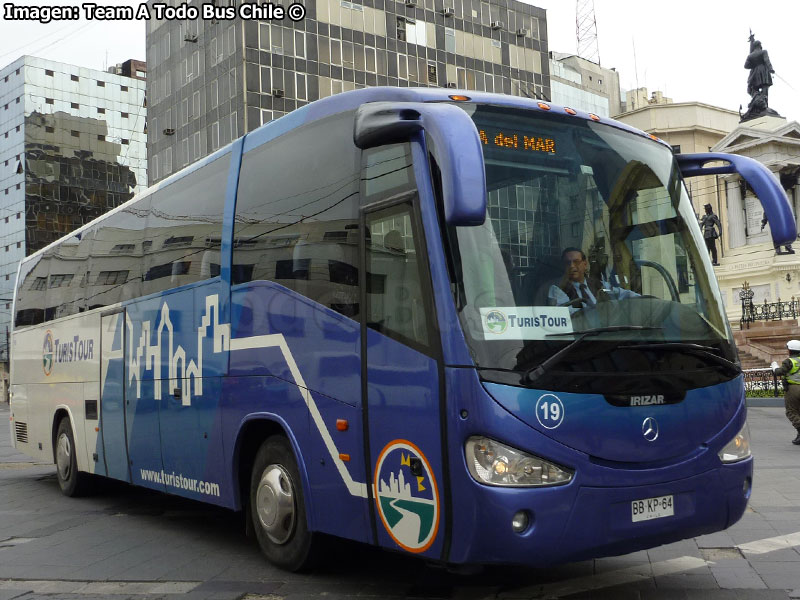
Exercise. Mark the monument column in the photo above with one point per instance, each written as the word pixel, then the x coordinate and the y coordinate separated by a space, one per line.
pixel 733 191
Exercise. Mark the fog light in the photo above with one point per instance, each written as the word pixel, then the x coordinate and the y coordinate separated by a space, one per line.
pixel 520 522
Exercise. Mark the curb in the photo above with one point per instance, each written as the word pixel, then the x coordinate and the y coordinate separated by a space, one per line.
pixel 762 402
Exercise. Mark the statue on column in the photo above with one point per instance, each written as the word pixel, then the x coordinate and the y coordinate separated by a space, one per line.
pixel 758 82
pixel 712 229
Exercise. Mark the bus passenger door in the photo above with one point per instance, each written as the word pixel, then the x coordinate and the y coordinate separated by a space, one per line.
pixel 112 395
pixel 402 380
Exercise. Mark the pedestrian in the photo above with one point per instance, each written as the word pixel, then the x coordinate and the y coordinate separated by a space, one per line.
pixel 790 371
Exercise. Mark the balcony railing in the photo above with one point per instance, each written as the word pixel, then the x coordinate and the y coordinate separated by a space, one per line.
pixel 768 311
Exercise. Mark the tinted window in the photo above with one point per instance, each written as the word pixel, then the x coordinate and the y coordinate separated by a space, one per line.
pixel 184 228
pixel 396 302
pixel 115 266
pixel 297 214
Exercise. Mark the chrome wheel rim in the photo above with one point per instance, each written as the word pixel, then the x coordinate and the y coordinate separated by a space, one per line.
pixel 64 457
pixel 275 504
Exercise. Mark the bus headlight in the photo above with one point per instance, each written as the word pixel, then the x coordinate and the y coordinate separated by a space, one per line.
pixel 738 448
pixel 494 463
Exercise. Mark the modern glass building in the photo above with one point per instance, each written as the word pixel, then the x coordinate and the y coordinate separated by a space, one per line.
pixel 72 146
pixel 212 81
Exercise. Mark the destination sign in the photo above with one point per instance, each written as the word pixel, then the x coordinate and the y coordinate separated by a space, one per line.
pixel 518 141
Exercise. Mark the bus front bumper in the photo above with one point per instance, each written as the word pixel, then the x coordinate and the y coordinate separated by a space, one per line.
pixel 573 522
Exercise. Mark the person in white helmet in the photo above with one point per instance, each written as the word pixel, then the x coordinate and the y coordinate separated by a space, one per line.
pixel 790 371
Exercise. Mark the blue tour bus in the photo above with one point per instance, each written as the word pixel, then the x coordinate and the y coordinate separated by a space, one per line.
pixel 344 323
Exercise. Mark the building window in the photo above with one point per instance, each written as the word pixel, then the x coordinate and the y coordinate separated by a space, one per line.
pixel 402 66
pixel 266 80
pixel 214 92
pixel 301 86
pixel 123 88
pixel 101 137
pixel 124 115
pixel 125 141
pixel 73 77
pixel 74 105
pixel 369 55
pixel 401 29
pixel 101 84
pixel 432 73
pixel 300 44
pixel 19 244
pixel 234 126
pixel 449 39
pixel 75 133
pixel 232 77
pixel 49 129
pixel 112 277
pixel 49 72
pixel 336 52
pixel 49 101
pixel 101 111
pixel 215 135
pixel 60 280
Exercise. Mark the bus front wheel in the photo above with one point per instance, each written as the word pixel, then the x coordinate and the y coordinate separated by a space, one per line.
pixel 70 480
pixel 277 508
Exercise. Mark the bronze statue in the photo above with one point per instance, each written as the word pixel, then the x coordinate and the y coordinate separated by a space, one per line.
pixel 758 82
pixel 712 229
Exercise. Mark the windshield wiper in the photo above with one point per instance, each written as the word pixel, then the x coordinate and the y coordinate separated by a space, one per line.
pixel 694 349
pixel 535 373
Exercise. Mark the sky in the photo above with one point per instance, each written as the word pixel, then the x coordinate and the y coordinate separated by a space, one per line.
pixel 692 50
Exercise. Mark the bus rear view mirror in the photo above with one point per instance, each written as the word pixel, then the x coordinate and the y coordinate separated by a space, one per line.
pixel 452 139
pixel 765 185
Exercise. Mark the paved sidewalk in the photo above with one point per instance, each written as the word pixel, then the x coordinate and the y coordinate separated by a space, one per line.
pixel 126 542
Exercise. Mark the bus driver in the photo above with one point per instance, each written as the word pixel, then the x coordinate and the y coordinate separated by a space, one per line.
pixel 575 290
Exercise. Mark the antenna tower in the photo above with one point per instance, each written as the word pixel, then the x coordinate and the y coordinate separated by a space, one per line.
pixel 586 31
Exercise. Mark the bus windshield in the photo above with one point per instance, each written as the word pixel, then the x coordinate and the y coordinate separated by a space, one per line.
pixel 589 234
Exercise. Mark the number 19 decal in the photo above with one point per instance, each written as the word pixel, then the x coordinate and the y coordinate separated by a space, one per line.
pixel 549 411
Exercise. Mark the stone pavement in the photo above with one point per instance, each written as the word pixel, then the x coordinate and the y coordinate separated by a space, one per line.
pixel 126 542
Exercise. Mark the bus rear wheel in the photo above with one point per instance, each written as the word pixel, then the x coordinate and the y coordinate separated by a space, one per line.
pixel 277 508
pixel 72 482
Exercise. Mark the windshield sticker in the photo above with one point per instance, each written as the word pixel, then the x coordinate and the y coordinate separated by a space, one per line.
pixel 524 322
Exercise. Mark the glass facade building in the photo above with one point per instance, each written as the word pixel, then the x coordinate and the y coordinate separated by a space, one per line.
pixel 210 81
pixel 72 146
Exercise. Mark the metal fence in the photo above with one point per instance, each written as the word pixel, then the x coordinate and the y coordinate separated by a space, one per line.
pixel 766 311
pixel 763 381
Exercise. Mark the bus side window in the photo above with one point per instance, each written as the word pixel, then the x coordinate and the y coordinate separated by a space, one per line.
pixel 115 262
pixel 31 291
pixel 184 228
pixel 297 214
pixel 396 301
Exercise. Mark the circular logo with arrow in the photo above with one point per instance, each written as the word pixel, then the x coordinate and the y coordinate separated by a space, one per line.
pixel 47 353
pixel 407 496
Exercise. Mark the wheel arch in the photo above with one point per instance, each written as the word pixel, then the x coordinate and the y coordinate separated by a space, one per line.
pixel 61 412
pixel 253 430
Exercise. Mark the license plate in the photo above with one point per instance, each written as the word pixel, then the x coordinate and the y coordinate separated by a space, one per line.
pixel 652 508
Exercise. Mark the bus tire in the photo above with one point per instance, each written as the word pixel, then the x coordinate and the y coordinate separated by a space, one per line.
pixel 277 508
pixel 72 482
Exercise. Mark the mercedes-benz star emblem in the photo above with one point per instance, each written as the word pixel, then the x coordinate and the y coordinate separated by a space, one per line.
pixel 650 429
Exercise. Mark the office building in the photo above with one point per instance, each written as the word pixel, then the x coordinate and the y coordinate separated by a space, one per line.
pixel 212 81
pixel 72 146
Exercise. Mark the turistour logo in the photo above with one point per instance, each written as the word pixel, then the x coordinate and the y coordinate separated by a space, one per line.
pixel 407 496
pixel 496 321
pixel 47 353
